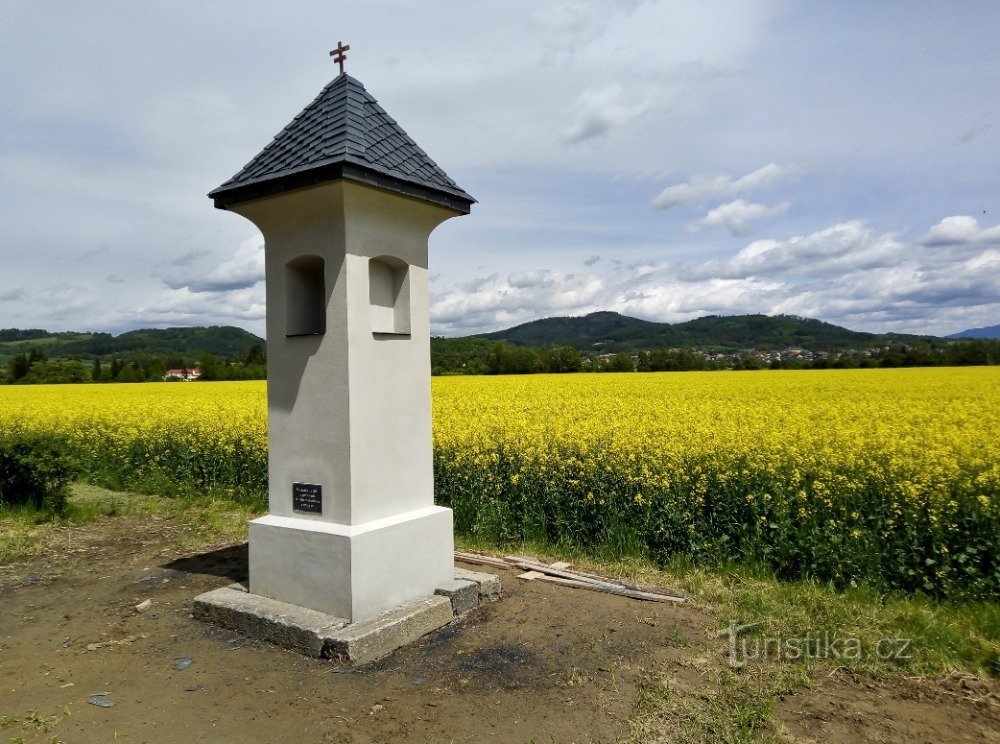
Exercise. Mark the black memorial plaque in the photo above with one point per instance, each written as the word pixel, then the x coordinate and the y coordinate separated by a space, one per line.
pixel 307 497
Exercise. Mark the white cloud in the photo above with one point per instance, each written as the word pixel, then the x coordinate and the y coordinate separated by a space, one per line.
pixel 848 273
pixel 843 247
pixel 184 306
pixel 701 188
pixel 737 215
pixel 243 270
pixel 961 230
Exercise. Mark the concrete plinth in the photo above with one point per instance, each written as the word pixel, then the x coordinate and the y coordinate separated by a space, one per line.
pixel 351 571
pixel 331 637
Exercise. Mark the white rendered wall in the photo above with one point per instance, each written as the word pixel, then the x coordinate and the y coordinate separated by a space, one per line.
pixel 349 409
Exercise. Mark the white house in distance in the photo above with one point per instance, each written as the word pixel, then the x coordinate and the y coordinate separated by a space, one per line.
pixel 185 375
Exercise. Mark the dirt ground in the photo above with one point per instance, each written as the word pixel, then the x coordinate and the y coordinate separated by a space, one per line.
pixel 546 664
pixel 850 711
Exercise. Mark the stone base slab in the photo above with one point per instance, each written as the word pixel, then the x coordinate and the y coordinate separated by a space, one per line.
pixel 322 635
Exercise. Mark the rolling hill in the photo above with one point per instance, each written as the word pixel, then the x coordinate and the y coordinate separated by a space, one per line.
pixel 986 332
pixel 610 331
pixel 223 341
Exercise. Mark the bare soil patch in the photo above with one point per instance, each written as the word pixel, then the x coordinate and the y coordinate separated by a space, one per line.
pixel 547 663
pixel 852 710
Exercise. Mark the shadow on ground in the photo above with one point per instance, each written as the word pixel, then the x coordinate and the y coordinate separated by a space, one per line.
pixel 230 563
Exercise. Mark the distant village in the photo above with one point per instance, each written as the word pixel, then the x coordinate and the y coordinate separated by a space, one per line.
pixel 459 357
pixel 791 356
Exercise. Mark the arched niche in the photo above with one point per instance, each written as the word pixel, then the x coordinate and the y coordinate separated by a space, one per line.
pixel 389 295
pixel 305 296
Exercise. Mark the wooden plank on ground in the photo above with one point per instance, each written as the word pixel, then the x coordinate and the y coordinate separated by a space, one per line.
pixel 557 573
pixel 531 564
pixel 481 560
pixel 611 589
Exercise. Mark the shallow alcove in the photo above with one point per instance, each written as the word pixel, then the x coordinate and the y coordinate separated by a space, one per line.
pixel 305 296
pixel 389 295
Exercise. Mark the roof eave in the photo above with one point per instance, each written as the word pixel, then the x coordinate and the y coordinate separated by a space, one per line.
pixel 226 196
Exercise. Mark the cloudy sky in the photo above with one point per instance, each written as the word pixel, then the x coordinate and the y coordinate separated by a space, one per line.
pixel 664 159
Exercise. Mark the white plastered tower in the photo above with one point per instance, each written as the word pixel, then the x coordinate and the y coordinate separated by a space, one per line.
pixel 346 202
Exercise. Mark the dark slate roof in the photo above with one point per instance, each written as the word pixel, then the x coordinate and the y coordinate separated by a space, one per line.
pixel 344 133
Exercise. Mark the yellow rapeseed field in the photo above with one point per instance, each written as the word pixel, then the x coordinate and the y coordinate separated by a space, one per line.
pixel 888 476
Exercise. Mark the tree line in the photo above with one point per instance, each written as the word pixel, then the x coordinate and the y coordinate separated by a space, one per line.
pixel 481 357
pixel 478 356
pixel 35 367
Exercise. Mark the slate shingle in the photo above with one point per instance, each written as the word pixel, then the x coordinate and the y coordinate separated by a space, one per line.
pixel 343 133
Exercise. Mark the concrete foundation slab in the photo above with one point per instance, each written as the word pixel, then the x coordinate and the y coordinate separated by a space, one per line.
pixel 374 639
pixel 320 634
pixel 290 626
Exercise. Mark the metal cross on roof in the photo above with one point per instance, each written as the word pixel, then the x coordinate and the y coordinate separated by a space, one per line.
pixel 339 56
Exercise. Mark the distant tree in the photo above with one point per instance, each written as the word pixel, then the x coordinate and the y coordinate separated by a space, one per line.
pixel 95 370
pixel 892 358
pixel 972 352
pixel 507 359
pixel 19 367
pixel 560 359
pixel 131 372
pixel 621 362
pixel 211 368
pixel 48 372
pixel 255 357
pixel 153 367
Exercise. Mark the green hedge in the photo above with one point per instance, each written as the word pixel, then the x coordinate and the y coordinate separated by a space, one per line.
pixel 35 471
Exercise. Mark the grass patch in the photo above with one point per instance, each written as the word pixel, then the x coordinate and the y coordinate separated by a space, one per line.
pixel 719 702
pixel 31 721
pixel 943 636
pixel 946 636
pixel 725 706
pixel 25 532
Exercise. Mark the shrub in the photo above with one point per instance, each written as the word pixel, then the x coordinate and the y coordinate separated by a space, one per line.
pixel 34 471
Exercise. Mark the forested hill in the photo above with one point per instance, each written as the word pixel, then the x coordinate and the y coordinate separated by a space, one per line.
pixel 225 342
pixel 609 331
pixel 987 332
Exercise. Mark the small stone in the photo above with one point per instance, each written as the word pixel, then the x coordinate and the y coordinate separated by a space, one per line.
pixel 489 584
pixel 464 595
pixel 99 699
pixel 144 605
